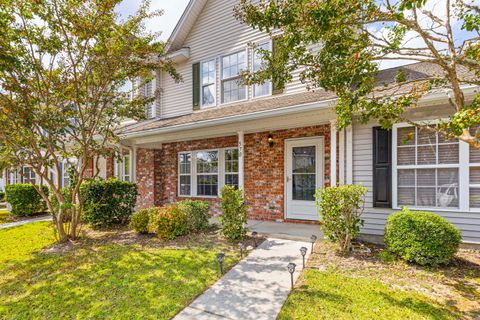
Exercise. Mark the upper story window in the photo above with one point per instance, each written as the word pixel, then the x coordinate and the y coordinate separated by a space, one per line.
pixel 434 172
pixel 232 65
pixel 149 92
pixel 208 83
pixel 258 62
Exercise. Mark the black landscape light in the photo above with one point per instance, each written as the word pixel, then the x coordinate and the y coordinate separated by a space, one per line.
pixel 291 269
pixel 303 252
pixel 221 258
pixel 241 245
pixel 313 238
pixel 254 236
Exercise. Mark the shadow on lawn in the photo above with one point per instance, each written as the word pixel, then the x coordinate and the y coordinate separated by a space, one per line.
pixel 109 281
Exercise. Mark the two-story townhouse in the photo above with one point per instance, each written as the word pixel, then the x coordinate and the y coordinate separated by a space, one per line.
pixel 281 145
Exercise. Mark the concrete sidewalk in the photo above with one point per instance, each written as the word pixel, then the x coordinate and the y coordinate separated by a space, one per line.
pixel 19 223
pixel 256 288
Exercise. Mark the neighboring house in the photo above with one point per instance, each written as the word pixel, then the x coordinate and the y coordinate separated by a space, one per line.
pixel 280 145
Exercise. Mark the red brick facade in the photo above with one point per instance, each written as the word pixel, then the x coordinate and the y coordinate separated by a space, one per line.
pixel 263 169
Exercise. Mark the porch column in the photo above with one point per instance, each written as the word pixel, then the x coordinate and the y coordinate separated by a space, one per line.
pixel 349 155
pixel 333 153
pixel 341 159
pixel 133 163
pixel 241 182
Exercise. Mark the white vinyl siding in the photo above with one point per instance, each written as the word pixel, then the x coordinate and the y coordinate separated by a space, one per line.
pixel 216 32
pixel 375 218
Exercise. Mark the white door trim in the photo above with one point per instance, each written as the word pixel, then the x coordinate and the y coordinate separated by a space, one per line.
pixel 318 141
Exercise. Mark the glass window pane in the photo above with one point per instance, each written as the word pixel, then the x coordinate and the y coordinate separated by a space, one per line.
pixel 448 153
pixel 261 89
pixel 475 175
pixel 185 185
pixel 447 188
pixel 426 177
pixel 406 196
pixel 427 155
pixel 207 185
pixel 475 197
pixel 231 180
pixel 406 178
pixel 406 156
pixel 232 90
pixel 207 162
pixel 208 95
pixel 304 159
pixel 231 160
pixel 426 136
pixel 406 136
pixel 185 163
pixel 426 197
pixel 303 187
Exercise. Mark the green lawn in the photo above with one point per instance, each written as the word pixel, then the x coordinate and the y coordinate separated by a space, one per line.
pixel 330 295
pixel 4 215
pixel 100 279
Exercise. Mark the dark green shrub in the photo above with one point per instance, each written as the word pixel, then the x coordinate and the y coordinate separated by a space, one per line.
pixel 2 196
pixel 340 210
pixel 24 199
pixel 108 202
pixel 196 214
pixel 168 222
pixel 422 237
pixel 141 219
pixel 233 219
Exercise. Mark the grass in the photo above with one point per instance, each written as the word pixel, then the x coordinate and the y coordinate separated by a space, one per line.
pixel 329 295
pixel 376 285
pixel 4 216
pixel 101 278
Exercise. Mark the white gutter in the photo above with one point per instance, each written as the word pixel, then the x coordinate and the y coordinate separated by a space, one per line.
pixel 232 119
pixel 436 96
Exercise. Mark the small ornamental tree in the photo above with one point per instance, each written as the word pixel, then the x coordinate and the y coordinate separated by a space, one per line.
pixel 354 36
pixel 64 69
pixel 340 210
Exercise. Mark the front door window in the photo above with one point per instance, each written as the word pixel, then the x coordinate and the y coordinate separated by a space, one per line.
pixel 304 173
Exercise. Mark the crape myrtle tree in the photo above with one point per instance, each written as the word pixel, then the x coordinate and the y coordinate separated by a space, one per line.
pixel 64 70
pixel 355 36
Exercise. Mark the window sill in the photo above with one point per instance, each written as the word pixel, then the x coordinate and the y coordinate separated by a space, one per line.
pixel 454 210
pixel 198 197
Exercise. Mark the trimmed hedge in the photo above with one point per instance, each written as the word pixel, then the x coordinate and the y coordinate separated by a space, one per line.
pixel 140 220
pixel 24 199
pixel 196 214
pixel 168 222
pixel 422 237
pixel 108 202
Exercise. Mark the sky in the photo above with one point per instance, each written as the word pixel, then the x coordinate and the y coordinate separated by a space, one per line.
pixel 165 24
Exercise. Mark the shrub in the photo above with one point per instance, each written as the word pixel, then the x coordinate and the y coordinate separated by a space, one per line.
pixel 2 196
pixel 141 219
pixel 24 199
pixel 168 222
pixel 108 202
pixel 340 210
pixel 422 237
pixel 233 218
pixel 196 214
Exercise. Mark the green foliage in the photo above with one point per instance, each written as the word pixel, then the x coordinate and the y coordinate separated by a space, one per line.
pixel 24 199
pixel 340 209
pixel 196 214
pixel 141 220
pixel 108 202
pixel 2 196
pixel 233 219
pixel 168 222
pixel 333 295
pixel 355 36
pixel 132 281
pixel 422 237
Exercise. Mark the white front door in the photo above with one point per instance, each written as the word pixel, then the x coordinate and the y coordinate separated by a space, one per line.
pixel 303 175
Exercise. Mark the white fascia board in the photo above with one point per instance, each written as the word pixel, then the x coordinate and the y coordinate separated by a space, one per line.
pixel 232 119
pixel 180 55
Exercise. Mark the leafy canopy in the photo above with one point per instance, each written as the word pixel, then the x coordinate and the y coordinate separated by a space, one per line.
pixel 338 45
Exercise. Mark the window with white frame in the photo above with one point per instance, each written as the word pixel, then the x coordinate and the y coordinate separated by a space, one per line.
pixel 232 88
pixel 208 74
pixel 203 173
pixel 185 174
pixel 29 175
pixel 434 172
pixel 149 93
pixel 474 166
pixel 65 171
pixel 123 167
pixel 258 63
pixel 231 167
pixel 12 177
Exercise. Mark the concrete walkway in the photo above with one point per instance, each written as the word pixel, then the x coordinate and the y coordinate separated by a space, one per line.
pixel 19 223
pixel 256 288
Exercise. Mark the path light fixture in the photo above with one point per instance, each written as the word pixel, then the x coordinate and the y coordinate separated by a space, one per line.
pixel 303 252
pixel 221 258
pixel 291 269
pixel 241 245
pixel 254 236
pixel 313 238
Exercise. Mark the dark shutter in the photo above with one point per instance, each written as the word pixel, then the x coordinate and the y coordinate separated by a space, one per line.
pixel 196 85
pixel 382 168
pixel 277 86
